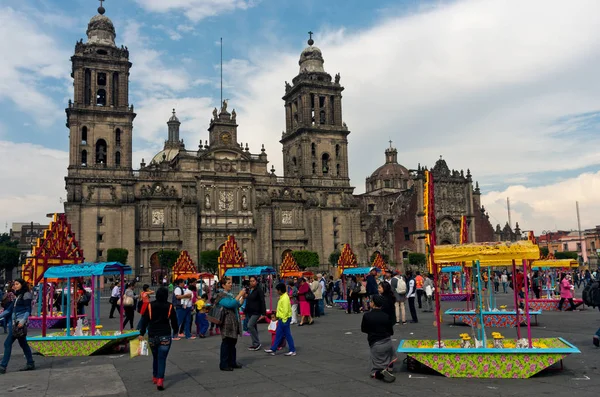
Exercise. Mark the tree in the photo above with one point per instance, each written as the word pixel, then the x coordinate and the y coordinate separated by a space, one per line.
pixel 417 259
pixel 167 258
pixel 334 257
pixel 117 255
pixel 567 255
pixel 306 259
pixel 544 252
pixel 209 260
pixel 9 258
pixel 6 241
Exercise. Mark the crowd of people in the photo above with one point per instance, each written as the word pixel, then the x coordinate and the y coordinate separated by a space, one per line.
pixel 218 311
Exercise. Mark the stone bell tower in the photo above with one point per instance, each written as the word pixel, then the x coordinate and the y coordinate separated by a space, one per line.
pixel 315 145
pixel 100 181
pixel 99 118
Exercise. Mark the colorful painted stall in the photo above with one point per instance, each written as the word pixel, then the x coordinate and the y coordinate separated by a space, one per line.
pixel 551 302
pixel 57 247
pixel 474 355
pixel 378 262
pixel 347 260
pixel 257 271
pixel 83 339
pixel 184 267
pixel 288 266
pixel 230 256
pixel 462 294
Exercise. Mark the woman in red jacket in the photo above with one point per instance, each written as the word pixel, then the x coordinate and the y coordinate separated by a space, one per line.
pixel 303 289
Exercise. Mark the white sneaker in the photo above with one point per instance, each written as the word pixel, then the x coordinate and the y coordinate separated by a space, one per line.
pixel 290 354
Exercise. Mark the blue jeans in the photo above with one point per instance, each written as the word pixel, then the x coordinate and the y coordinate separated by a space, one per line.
pixel 8 349
pixel 202 323
pixel 160 346
pixel 180 312
pixel 284 331
pixel 187 322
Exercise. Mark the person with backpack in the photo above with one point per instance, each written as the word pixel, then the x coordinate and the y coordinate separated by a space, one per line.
pixel 399 288
pixel 160 319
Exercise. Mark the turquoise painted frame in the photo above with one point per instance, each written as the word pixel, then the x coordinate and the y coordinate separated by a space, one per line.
pixel 571 349
pixel 91 337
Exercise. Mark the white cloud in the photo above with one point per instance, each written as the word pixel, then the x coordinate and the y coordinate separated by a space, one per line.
pixel 33 177
pixel 197 10
pixel 548 207
pixel 173 34
pixel 150 71
pixel 481 82
pixel 30 56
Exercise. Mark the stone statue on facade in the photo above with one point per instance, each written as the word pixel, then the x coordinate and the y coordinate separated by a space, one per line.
pixel 215 114
pixel 207 202
pixel 244 203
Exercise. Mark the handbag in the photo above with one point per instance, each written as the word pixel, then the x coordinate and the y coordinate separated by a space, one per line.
pixel 215 315
pixel 309 295
pixel 19 332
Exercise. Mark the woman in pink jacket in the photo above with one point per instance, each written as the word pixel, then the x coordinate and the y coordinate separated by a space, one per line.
pixel 566 291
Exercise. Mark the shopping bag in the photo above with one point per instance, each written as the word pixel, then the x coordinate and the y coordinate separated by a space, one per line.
pixel 143 348
pixel 134 347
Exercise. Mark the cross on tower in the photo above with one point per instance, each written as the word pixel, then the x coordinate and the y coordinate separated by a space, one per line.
pixel 310 39
pixel 102 1
pixel 390 143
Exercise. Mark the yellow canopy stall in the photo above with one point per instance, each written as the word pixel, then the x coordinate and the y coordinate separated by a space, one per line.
pixel 490 254
pixel 566 263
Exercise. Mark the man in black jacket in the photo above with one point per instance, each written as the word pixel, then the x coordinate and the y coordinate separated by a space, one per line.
pixel 255 310
pixel 378 326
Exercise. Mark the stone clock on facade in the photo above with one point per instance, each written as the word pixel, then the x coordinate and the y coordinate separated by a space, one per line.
pixel 158 217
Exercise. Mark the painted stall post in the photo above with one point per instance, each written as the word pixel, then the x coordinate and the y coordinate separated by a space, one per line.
pixel 527 303
pixel 44 308
pixel 516 297
pixel 68 311
pixel 92 308
pixel 122 292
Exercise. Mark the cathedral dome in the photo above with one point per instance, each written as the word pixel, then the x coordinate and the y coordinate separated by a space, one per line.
pixel 311 58
pixel 165 155
pixel 391 175
pixel 101 29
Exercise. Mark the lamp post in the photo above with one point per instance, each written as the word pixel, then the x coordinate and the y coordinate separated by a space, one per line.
pixel 162 248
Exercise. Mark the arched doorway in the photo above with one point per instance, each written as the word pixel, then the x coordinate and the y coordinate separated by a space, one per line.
pixel 154 262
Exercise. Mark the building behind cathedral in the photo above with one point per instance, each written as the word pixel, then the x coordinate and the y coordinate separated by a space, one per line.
pixel 187 198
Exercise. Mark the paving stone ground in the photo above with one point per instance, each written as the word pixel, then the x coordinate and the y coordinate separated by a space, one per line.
pixel 332 360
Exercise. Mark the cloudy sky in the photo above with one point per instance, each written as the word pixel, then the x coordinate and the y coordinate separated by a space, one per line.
pixel 508 89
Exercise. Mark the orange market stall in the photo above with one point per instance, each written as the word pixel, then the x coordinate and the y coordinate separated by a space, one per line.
pixel 184 267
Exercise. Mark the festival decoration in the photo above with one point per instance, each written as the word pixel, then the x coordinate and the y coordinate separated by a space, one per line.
pixel 230 256
pixel 346 260
pixel 378 262
pixel 288 265
pixel 57 247
pixel 184 267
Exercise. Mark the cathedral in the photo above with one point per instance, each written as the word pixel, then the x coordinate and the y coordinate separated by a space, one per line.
pixel 191 199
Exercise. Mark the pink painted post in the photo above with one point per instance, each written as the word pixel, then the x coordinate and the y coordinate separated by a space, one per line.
pixel 271 293
pixel 526 280
pixel 516 294
pixel 44 308
pixel 121 294
pixel 344 292
pixel 93 307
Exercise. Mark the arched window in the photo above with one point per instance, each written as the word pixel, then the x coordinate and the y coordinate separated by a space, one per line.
pixel 118 159
pixel 88 87
pixel 115 89
pixel 313 149
pixel 101 151
pixel 101 97
pixel 84 135
pixel 84 158
pixel 325 163
pixel 337 150
pixel 118 136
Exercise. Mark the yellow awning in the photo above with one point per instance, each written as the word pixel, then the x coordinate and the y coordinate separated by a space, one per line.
pixel 488 253
pixel 555 263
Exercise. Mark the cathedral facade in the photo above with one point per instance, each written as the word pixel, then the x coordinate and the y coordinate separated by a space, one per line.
pixel 191 199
